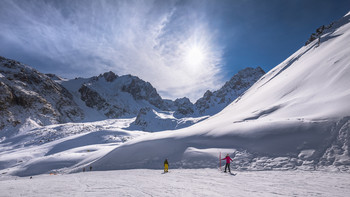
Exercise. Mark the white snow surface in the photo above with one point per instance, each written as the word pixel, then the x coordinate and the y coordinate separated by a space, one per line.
pixel 179 182
pixel 62 147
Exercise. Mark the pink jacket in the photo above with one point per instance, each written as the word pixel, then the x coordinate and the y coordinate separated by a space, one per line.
pixel 228 159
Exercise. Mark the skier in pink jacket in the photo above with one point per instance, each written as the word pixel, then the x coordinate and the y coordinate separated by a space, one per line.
pixel 228 161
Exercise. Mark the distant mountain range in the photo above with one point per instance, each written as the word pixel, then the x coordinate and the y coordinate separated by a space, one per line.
pixel 45 99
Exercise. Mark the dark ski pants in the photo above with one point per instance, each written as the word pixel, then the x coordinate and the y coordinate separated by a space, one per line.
pixel 227 166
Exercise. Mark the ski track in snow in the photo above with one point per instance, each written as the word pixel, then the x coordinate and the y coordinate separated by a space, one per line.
pixel 179 182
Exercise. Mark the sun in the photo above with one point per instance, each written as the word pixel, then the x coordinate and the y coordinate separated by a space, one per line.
pixel 195 56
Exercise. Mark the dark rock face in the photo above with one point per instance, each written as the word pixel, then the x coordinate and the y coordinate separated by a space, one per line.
pixel 141 119
pixel 204 102
pixel 318 33
pixel 184 107
pixel 53 76
pixel 26 93
pixel 110 76
pixel 92 98
pixel 6 96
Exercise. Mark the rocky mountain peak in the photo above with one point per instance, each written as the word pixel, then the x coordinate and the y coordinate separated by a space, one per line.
pixel 109 76
pixel 184 107
pixel 140 89
pixel 26 93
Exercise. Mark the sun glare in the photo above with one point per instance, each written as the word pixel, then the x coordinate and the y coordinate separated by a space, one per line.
pixel 195 57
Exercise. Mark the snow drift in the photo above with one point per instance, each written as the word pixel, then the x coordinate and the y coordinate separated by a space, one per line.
pixel 295 116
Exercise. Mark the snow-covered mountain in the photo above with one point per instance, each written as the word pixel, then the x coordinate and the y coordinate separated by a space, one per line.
pixel 28 97
pixel 297 116
pixel 213 102
pixel 50 99
pixel 182 113
pixel 113 96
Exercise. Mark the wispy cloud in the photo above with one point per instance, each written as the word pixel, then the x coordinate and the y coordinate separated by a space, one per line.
pixel 150 39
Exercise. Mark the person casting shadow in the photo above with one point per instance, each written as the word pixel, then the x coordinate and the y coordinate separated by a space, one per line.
pixel 228 161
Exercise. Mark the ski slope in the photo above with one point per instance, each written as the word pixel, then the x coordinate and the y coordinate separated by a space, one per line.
pixel 179 182
pixel 297 116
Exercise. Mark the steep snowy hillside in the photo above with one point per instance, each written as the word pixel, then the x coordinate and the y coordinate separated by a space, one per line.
pixel 297 116
pixel 29 97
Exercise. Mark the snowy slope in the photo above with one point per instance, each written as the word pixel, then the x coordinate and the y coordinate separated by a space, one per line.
pixel 62 147
pixel 179 182
pixel 291 118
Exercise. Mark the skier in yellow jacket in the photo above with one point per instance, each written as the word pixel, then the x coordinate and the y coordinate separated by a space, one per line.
pixel 166 165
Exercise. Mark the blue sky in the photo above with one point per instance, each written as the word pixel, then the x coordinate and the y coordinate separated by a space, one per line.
pixel 182 48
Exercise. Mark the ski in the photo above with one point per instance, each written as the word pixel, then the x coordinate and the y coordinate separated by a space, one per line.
pixel 230 173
